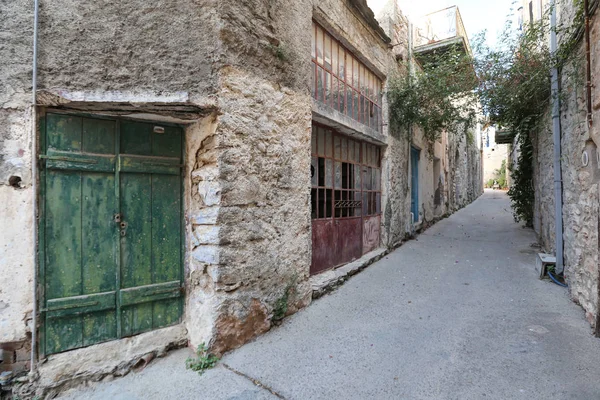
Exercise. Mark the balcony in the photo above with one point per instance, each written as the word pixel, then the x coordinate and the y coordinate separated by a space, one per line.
pixel 504 137
pixel 440 31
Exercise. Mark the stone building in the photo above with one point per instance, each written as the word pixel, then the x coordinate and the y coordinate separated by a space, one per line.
pixel 185 172
pixel 494 154
pixel 580 164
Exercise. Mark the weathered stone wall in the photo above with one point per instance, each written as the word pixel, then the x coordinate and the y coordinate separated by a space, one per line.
pixel 580 194
pixel 464 169
pixel 264 215
pixel 543 181
pixel 237 76
pixel 459 186
pixel 396 199
pixel 128 46
pixel 250 184
pixel 580 181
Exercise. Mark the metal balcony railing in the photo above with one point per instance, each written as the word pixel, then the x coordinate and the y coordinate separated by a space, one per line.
pixel 440 29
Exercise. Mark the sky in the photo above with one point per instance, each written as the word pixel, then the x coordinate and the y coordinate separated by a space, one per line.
pixel 477 15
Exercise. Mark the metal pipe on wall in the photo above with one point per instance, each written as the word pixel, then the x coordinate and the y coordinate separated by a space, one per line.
pixel 34 167
pixel 586 13
pixel 556 134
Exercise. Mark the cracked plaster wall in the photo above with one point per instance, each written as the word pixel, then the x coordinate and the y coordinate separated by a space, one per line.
pixel 16 257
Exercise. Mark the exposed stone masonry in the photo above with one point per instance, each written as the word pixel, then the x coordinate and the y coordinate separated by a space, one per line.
pixel 236 75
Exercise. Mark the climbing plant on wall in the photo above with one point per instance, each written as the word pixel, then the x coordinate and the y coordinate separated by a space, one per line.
pixel 438 96
pixel 508 85
pixel 514 91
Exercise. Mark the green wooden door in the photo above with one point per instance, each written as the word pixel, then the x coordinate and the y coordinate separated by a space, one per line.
pixel 111 232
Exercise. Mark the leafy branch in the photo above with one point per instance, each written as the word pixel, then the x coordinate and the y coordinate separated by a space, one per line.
pixel 439 96
pixel 515 90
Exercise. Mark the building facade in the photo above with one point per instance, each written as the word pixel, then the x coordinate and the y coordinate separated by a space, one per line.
pixel 186 170
pixel 579 162
pixel 495 155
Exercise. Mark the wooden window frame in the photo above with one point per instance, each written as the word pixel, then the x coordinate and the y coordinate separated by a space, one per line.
pixel 363 87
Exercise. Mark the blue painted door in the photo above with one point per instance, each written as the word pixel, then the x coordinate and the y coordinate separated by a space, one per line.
pixel 414 195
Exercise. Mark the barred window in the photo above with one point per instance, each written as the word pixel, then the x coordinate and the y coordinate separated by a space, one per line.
pixel 341 81
pixel 346 176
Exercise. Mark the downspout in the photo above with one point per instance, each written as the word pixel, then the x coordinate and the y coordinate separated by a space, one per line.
pixel 34 167
pixel 588 72
pixel 556 134
pixel 410 128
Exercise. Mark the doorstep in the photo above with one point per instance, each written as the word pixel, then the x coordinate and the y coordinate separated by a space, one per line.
pixel 329 280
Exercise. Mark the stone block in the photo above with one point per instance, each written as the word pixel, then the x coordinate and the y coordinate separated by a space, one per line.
pixel 16 367
pixel 7 356
pixel 206 173
pixel 208 254
pixel 207 234
pixel 210 192
pixel 205 216
pixel 22 354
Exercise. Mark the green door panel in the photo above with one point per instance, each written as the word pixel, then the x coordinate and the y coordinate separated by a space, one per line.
pixel 63 132
pixel 112 216
pixel 149 293
pixel 166 219
pixel 136 245
pixel 99 136
pixel 136 138
pixel 77 305
pixel 99 233
pixel 168 144
pixel 79 162
pixel 155 165
pixel 63 234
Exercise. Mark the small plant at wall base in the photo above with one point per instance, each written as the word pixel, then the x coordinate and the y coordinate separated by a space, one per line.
pixel 280 307
pixel 203 361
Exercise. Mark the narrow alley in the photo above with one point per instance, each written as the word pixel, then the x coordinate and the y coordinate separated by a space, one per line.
pixel 458 313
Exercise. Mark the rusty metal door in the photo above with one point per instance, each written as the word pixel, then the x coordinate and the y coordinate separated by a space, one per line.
pixel 346 194
pixel 111 229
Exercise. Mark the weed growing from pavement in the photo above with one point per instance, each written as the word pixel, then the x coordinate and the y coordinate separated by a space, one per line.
pixel 203 361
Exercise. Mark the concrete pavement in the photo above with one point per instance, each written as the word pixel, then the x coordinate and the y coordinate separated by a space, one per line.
pixel 458 313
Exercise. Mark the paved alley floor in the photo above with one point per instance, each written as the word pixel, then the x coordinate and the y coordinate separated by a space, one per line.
pixel 458 313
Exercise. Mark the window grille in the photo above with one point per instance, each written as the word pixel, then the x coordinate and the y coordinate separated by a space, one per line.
pixel 341 81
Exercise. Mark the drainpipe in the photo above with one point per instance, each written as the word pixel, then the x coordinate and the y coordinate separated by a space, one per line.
pixel 588 71
pixel 34 167
pixel 410 128
pixel 556 134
